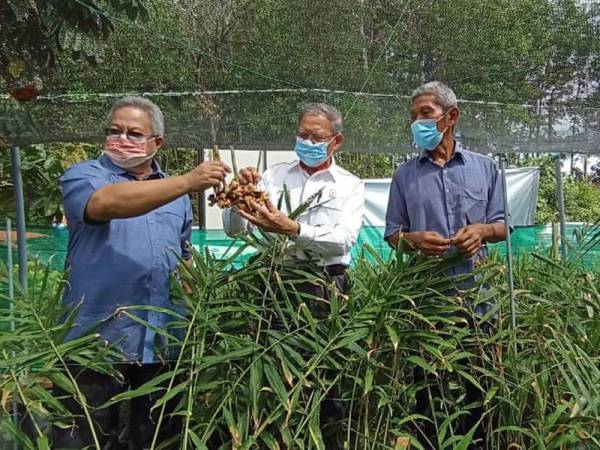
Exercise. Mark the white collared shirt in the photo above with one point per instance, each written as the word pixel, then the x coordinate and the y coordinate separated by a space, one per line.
pixel 330 227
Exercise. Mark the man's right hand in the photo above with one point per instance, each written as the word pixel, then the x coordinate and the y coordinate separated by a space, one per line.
pixel 430 243
pixel 249 175
pixel 206 175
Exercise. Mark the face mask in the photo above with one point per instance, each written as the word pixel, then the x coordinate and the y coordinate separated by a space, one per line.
pixel 425 133
pixel 313 155
pixel 125 153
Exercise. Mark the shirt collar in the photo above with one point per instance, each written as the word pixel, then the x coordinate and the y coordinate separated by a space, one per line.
pixel 106 162
pixel 459 153
pixel 333 169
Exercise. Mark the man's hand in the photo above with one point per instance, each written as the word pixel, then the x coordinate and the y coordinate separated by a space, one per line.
pixel 249 175
pixel 270 219
pixel 206 175
pixel 469 239
pixel 430 243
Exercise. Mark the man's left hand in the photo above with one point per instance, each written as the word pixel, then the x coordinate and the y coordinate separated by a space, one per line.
pixel 469 239
pixel 270 219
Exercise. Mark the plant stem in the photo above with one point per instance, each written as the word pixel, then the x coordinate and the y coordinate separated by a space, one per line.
pixel 80 396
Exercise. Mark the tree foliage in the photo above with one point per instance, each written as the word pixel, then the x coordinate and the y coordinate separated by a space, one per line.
pixel 34 32
pixel 535 59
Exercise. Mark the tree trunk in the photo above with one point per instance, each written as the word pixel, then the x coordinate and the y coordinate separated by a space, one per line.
pixel 363 35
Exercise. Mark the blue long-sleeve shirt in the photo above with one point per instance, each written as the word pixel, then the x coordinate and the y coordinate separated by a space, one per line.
pixel 121 262
pixel 427 197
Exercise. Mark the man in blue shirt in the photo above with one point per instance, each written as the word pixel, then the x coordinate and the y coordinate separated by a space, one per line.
pixel 128 225
pixel 447 199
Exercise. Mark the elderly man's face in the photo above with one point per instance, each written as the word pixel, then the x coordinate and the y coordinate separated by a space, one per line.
pixel 426 107
pixel 136 123
pixel 317 128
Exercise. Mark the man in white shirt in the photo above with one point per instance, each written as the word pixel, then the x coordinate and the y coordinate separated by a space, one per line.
pixel 327 230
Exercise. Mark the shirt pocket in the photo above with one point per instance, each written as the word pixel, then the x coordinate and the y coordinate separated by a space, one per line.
pixel 328 212
pixel 170 222
pixel 474 200
pixel 333 203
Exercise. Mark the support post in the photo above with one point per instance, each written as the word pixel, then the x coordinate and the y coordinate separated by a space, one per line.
pixel 11 301
pixel 201 199
pixel 509 255
pixel 561 206
pixel 15 161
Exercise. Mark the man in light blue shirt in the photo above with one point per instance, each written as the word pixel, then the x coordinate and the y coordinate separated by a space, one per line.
pixel 128 225
pixel 454 207
pixel 447 199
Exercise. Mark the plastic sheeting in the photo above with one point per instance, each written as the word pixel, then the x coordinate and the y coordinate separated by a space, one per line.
pixel 522 183
pixel 522 186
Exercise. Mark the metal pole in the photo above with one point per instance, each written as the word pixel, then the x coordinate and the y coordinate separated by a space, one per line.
pixel 9 262
pixel 561 206
pixel 15 160
pixel 11 300
pixel 264 160
pixel 509 256
pixel 201 199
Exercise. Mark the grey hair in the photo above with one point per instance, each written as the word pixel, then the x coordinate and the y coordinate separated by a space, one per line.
pixel 157 121
pixel 444 96
pixel 323 109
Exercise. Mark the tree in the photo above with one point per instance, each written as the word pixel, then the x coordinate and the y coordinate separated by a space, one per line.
pixel 514 52
pixel 34 32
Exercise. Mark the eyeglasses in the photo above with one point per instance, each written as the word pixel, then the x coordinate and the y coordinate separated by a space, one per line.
pixel 436 119
pixel 315 138
pixel 133 136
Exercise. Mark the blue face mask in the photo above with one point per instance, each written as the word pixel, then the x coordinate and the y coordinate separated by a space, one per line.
pixel 425 133
pixel 313 155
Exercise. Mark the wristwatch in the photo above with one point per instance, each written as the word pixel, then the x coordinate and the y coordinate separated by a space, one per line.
pixel 294 236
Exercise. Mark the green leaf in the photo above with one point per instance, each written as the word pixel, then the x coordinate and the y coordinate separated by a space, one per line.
pixel 170 394
pixel 490 395
pixel 42 443
pixel 467 440
pixel 269 441
pixel 368 382
pixel 276 384
pixel 256 373
pixel 417 360
pixel 393 337
pixel 314 425
pixel 198 444
pixel 470 378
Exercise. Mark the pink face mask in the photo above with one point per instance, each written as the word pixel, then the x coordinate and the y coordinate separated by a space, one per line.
pixel 125 153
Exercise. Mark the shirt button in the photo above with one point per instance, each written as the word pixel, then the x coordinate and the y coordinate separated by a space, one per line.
pixel 154 289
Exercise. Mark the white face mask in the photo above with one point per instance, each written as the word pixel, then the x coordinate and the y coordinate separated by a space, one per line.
pixel 127 154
